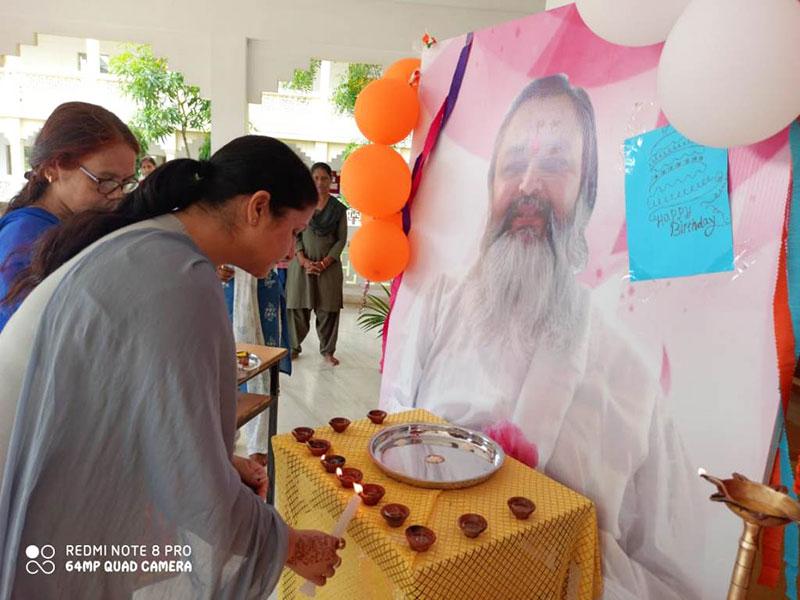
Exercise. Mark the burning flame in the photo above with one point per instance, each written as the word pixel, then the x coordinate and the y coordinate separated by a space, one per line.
pixel 358 488
pixel 322 458
pixel 338 471
pixel 701 471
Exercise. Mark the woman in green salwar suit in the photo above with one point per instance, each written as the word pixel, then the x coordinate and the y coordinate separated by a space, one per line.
pixel 315 277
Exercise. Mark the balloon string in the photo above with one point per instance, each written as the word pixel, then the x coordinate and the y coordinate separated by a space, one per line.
pixel 436 128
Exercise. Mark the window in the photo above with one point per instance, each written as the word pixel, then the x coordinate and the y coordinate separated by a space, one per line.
pixel 83 62
pixel 27 151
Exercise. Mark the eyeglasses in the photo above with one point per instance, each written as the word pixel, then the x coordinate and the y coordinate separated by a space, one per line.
pixel 109 186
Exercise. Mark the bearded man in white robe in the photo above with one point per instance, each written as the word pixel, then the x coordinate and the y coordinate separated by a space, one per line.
pixel 518 341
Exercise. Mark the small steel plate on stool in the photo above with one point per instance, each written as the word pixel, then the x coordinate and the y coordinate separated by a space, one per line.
pixel 438 456
pixel 253 362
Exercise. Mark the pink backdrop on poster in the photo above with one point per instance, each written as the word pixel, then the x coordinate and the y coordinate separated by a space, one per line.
pixel 710 337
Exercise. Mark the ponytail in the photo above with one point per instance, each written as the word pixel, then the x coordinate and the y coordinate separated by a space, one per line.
pixel 244 166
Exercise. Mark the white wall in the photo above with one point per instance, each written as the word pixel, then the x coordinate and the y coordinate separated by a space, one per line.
pixel 204 38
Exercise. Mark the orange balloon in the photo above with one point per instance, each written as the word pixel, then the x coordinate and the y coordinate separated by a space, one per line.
pixel 402 69
pixel 387 110
pixel 395 219
pixel 376 180
pixel 379 251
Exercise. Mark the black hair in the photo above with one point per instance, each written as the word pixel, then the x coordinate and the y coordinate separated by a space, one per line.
pixel 244 166
pixel 324 166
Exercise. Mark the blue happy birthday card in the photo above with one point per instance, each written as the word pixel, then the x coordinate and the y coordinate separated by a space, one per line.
pixel 676 205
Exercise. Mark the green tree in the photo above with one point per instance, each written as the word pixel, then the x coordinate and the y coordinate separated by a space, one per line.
pixel 166 103
pixel 303 79
pixel 358 76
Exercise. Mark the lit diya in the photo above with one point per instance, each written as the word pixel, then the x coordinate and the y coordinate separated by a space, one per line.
pixel 348 476
pixel 332 462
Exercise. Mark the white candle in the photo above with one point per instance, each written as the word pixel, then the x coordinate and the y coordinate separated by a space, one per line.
pixel 308 588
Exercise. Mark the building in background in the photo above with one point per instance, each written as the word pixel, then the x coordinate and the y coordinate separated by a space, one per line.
pixel 61 69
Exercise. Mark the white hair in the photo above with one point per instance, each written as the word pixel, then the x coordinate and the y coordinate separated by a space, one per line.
pixel 524 292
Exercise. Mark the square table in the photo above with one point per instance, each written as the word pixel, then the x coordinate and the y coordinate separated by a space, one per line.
pixel 248 406
pixel 555 554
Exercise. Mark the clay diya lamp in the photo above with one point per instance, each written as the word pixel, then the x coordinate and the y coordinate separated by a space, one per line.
pixel 521 507
pixel 472 524
pixel 420 538
pixel 376 416
pixel 302 434
pixel 395 514
pixel 332 462
pixel 339 424
pixel 372 493
pixel 349 476
pixel 318 447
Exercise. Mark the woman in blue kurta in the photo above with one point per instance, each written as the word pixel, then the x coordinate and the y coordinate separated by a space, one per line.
pixel 272 317
pixel 84 158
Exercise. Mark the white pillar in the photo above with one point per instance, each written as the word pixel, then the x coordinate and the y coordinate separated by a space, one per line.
pixel 92 59
pixel 320 152
pixel 228 91
pixel 325 79
pixel 17 153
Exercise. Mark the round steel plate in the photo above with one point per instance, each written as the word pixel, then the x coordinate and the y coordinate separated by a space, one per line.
pixel 435 456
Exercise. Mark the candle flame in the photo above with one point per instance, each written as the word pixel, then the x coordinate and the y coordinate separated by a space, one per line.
pixel 322 458
pixel 701 471
pixel 338 471
pixel 358 488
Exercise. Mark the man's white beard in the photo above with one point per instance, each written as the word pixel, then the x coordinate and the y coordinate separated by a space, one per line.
pixel 522 293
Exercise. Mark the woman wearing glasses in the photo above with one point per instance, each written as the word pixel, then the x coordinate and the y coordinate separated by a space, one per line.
pixel 84 158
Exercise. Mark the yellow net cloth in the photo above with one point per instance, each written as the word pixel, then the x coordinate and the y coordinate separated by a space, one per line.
pixel 552 555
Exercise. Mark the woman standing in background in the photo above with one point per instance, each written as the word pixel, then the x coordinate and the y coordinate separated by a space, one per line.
pixel 315 277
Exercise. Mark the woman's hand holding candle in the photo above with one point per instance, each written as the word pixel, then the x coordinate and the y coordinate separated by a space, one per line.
pixel 338 531
pixel 312 554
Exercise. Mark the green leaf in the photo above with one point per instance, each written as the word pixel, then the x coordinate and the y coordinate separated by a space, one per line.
pixel 166 104
pixel 375 311
pixel 358 76
pixel 303 79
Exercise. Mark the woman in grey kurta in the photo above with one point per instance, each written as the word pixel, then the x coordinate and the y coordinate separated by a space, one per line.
pixel 119 373
pixel 315 276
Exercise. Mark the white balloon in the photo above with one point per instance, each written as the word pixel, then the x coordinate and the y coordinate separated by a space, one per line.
pixel 729 74
pixel 631 22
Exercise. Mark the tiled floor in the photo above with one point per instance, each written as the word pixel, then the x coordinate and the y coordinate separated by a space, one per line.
pixel 316 392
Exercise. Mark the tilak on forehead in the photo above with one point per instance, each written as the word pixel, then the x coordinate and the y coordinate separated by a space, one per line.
pixel 541 127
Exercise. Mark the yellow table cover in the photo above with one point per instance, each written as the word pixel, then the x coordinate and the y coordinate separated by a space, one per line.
pixel 552 555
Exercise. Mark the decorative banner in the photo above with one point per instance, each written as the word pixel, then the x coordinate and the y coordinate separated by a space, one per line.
pixel 677 207
pixel 518 304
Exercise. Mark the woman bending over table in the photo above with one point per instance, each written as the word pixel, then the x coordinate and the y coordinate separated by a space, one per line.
pixel 119 374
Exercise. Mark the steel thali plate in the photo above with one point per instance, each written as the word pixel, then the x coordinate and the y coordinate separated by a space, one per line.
pixel 436 455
